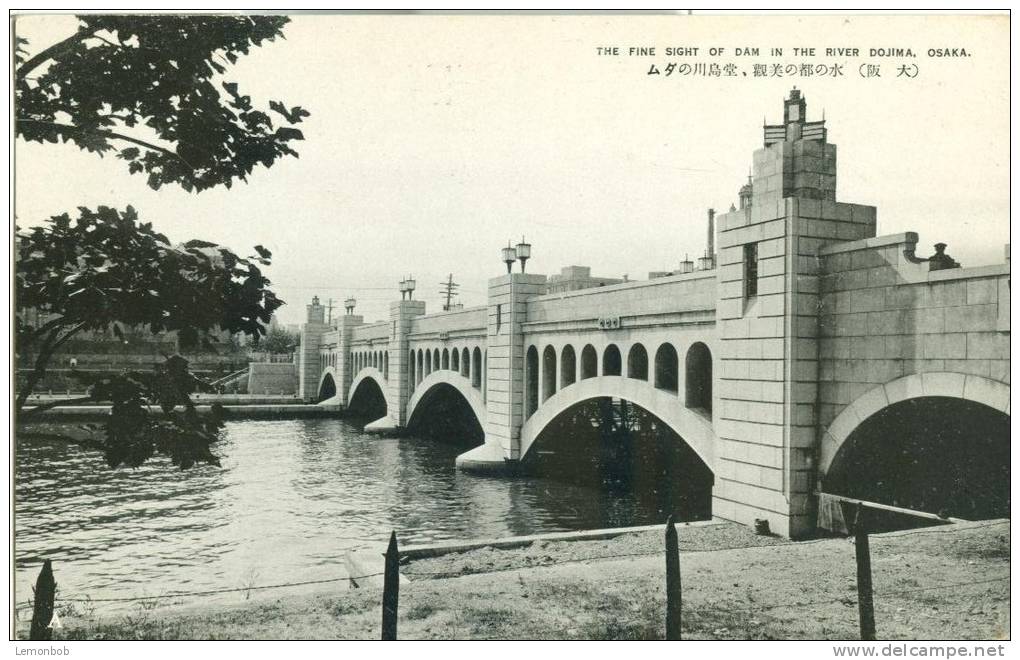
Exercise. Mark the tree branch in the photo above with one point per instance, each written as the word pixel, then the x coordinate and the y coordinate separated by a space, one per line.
pixel 49 53
pixel 105 134
pixel 51 344
pixel 38 408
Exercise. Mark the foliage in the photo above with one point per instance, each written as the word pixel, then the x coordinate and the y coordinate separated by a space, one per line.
pixel 152 89
pixel 278 340
pixel 104 269
pixel 134 433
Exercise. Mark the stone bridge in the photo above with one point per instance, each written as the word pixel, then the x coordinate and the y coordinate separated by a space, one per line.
pixel 802 328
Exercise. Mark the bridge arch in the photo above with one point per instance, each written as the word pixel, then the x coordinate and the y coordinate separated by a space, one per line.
pixel 968 387
pixel 695 430
pixel 460 383
pixel 369 374
pixel 326 389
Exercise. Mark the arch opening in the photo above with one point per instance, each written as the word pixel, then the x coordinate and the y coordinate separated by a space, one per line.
pixel 667 368
pixel 465 363
pixel 444 415
pixel 531 382
pixel 941 455
pixel 589 362
pixel 642 470
pixel 637 362
pixel 327 388
pixel 612 364
pixel 698 374
pixel 476 368
pixel 368 401
pixel 568 366
pixel 435 360
pixel 548 372
pixel 455 360
pixel 446 358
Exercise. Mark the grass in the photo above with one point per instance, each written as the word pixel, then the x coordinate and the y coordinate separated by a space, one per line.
pixel 791 591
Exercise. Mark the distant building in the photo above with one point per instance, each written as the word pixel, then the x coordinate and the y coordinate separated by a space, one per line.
pixel 572 278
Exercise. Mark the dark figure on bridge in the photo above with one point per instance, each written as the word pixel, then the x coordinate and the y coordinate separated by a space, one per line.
pixel 940 260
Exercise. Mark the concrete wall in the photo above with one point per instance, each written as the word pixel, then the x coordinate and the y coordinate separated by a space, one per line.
pixel 272 378
pixel 471 318
pixel 884 316
pixel 370 332
pixel 693 292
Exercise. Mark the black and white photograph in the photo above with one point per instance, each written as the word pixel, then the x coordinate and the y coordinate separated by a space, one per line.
pixel 523 325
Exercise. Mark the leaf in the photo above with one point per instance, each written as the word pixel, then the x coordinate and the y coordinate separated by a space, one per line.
pixel 263 252
pixel 294 115
pixel 287 134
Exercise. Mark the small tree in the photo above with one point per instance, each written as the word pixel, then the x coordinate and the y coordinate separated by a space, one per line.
pixel 153 90
pixel 278 340
pixel 104 269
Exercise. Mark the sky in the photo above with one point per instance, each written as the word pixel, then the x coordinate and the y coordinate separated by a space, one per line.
pixel 433 141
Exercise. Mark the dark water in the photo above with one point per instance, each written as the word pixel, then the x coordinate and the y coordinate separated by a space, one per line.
pixel 291 498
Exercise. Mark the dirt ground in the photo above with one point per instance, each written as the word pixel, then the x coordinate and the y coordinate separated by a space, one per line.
pixel 937 583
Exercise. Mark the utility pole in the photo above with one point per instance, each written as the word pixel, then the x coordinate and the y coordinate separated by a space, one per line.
pixel 449 290
pixel 329 312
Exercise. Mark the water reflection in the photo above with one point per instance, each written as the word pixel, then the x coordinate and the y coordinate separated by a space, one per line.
pixel 291 498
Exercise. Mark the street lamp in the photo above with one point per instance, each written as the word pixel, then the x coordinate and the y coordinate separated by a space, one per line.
pixel 686 265
pixel 403 289
pixel 410 284
pixel 349 305
pixel 705 262
pixel 523 252
pixel 509 257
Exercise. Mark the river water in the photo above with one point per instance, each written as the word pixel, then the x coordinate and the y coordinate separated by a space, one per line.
pixel 291 497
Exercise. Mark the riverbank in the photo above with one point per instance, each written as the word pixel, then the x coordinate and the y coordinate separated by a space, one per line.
pixel 937 583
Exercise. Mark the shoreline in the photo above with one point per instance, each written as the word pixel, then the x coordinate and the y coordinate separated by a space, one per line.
pixel 736 586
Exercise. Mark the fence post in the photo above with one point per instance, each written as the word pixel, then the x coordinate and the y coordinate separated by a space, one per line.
pixel 42 611
pixel 391 590
pixel 674 595
pixel 865 602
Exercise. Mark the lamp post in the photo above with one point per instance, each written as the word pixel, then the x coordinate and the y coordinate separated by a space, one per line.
pixel 403 289
pixel 410 284
pixel 686 265
pixel 509 257
pixel 349 305
pixel 523 252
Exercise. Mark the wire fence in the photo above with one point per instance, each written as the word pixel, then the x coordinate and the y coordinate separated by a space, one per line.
pixel 436 575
